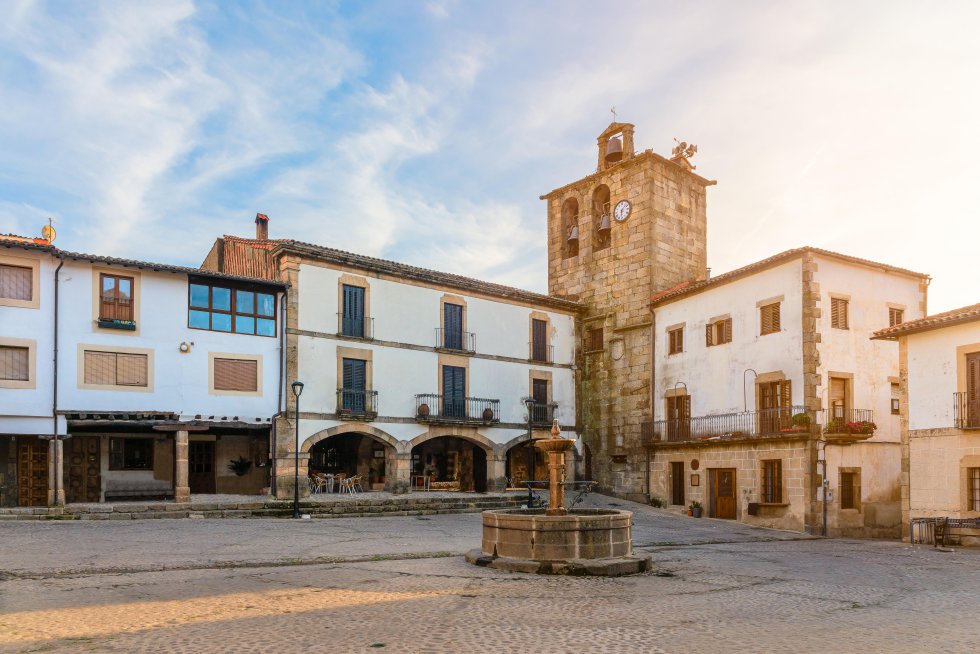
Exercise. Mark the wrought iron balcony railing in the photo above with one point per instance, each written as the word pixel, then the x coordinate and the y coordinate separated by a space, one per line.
pixel 356 404
pixel 766 422
pixel 542 353
pixel 543 415
pixel 440 408
pixel 454 339
pixel 849 421
pixel 966 413
pixel 358 327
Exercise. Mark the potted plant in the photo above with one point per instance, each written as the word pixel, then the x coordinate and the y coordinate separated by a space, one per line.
pixel 695 509
pixel 240 466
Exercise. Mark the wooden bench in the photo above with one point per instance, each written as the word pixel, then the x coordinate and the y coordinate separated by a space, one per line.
pixel 118 490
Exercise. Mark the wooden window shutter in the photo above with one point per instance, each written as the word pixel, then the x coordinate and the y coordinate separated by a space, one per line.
pixel 707 334
pixel 838 313
pixel 895 317
pixel 100 368
pixel 769 315
pixel 355 374
pixel 131 369
pixel 14 363
pixel 539 339
pixel 728 330
pixel 686 407
pixel 785 394
pixel 240 375
pixel 16 282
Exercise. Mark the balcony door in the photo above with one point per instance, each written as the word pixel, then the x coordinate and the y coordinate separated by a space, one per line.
pixel 973 390
pixel 352 321
pixel 838 399
pixel 454 391
pixel 775 406
pixel 355 385
pixel 539 392
pixel 678 418
pixel 539 340
pixel 452 326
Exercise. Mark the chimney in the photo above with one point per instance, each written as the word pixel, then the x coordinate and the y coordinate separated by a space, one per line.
pixel 261 227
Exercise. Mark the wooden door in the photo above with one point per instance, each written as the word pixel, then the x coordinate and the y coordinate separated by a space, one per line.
pixel 83 455
pixel 679 418
pixel 723 493
pixel 454 391
pixel 539 392
pixel 775 406
pixel 200 466
pixel 838 399
pixel 973 390
pixel 677 483
pixel 32 472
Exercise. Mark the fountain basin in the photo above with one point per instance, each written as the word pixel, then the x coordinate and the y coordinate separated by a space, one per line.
pixel 584 541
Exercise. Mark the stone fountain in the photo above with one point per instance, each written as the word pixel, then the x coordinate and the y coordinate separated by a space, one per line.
pixel 557 540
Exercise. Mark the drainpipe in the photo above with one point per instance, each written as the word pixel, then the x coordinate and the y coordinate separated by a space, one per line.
pixel 54 400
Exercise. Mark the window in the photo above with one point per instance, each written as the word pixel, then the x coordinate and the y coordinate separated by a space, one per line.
pixel 15 363
pixel 718 332
pixel 769 319
pixel 116 298
pixel 895 316
pixel 130 454
pixel 772 481
pixel 16 283
pixel 353 312
pixel 539 340
pixel 973 489
pixel 239 375
pixel 675 340
pixel 115 369
pixel 838 313
pixel 454 391
pixel 227 309
pixel 895 399
pixel 593 339
pixel 850 488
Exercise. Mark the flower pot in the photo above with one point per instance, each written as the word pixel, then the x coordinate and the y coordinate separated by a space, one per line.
pixel 697 513
pixel 423 410
pixel 690 512
pixel 488 414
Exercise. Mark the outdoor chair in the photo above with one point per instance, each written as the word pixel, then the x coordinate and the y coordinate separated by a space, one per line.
pixel 355 484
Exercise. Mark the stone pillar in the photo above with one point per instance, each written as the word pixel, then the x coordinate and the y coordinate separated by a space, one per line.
pixel 497 473
pixel 56 472
pixel 182 489
pixel 401 478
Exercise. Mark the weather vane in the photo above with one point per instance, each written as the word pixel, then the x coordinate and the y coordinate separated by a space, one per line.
pixel 683 150
pixel 613 112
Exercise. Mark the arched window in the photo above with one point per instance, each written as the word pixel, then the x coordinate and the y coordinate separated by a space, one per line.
pixel 601 218
pixel 569 228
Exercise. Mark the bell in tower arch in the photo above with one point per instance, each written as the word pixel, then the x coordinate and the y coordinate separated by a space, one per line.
pixel 614 150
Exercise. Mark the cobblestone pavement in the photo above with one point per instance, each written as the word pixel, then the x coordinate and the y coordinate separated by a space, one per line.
pixel 717 586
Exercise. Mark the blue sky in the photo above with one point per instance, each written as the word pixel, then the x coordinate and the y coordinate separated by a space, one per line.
pixel 425 131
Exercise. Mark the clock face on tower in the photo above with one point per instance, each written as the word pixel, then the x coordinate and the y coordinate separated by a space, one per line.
pixel 622 210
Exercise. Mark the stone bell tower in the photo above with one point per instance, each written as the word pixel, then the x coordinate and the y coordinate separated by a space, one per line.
pixel 634 227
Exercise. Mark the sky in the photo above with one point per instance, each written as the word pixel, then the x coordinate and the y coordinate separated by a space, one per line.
pixel 426 131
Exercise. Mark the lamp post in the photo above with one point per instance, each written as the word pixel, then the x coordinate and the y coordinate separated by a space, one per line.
pixel 529 403
pixel 297 391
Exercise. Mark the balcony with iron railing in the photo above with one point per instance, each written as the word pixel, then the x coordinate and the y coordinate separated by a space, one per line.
pixel 455 340
pixel 543 415
pixel 727 426
pixel 354 404
pixel 432 408
pixel 845 424
pixel 966 412
pixel 355 327
pixel 541 353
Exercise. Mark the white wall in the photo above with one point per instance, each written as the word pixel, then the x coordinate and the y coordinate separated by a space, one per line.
pixel 180 381
pixel 714 375
pixel 851 350
pixel 932 374
pixel 407 315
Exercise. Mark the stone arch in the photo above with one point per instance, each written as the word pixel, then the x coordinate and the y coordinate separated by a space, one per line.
pixel 366 430
pixel 473 436
pixel 569 220
pixel 601 208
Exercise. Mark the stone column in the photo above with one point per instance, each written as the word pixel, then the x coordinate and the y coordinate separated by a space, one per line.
pixel 56 472
pixel 497 473
pixel 401 481
pixel 182 489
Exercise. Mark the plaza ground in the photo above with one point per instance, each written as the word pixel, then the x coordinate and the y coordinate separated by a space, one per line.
pixel 399 584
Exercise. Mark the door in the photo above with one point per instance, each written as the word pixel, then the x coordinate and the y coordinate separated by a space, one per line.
pixel 452 326
pixel 32 472
pixel 479 469
pixel 83 455
pixel 454 391
pixel 677 483
pixel 352 322
pixel 200 466
pixel 539 340
pixel 775 406
pixel 679 418
pixel 838 399
pixel 355 385
pixel 973 390
pixel 723 493
pixel 539 392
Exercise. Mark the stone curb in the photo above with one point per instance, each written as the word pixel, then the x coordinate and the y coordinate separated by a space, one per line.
pixel 618 567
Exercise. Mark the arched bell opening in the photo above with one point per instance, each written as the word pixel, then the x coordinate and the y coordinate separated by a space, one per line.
pixel 601 218
pixel 570 232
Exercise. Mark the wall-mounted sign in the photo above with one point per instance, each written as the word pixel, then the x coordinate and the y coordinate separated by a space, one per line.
pixel 695 479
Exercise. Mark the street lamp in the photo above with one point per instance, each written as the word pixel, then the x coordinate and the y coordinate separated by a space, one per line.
pixel 529 403
pixel 297 391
